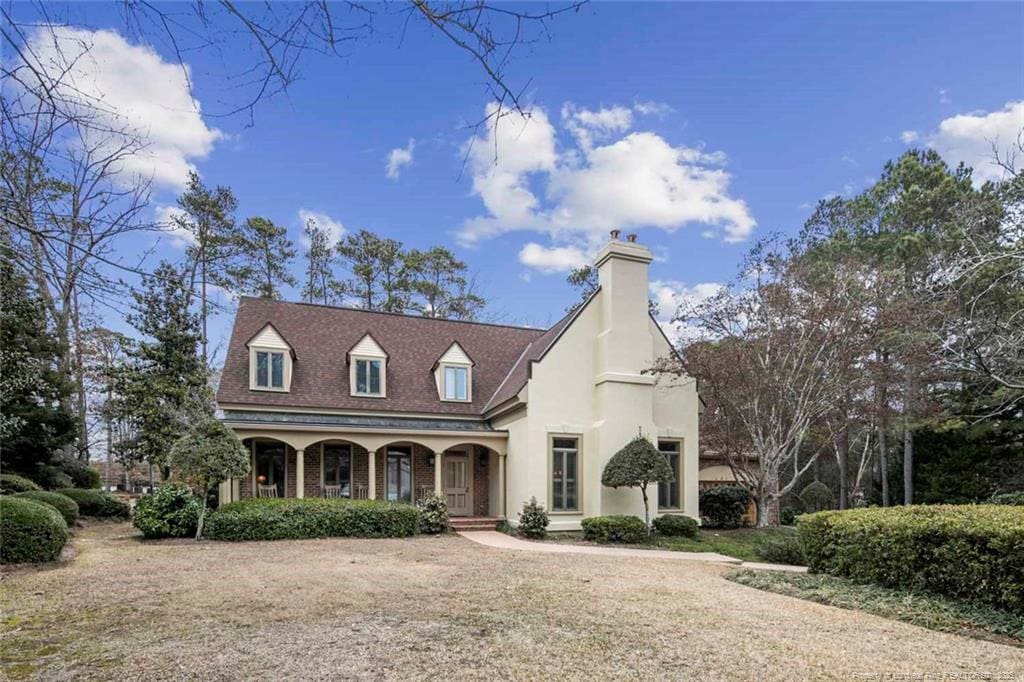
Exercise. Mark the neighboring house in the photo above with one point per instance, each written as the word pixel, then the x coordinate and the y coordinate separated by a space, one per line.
pixel 347 402
pixel 113 478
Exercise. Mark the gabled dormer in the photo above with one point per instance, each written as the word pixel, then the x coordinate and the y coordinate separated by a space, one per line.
pixel 270 361
pixel 453 374
pixel 367 369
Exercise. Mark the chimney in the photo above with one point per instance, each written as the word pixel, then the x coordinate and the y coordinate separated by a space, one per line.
pixel 615 235
pixel 625 341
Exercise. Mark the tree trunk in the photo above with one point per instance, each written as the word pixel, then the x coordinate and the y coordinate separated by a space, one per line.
pixel 79 367
pixel 883 462
pixel 647 514
pixel 202 517
pixel 202 266
pixel 842 456
pixel 908 465
pixel 768 502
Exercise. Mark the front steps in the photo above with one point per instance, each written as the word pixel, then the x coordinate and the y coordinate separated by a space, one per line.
pixel 466 523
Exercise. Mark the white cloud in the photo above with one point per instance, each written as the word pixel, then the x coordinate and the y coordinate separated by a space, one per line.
pixel 130 87
pixel 609 179
pixel 552 259
pixel 846 158
pixel 944 97
pixel 333 227
pixel 649 108
pixel 909 136
pixel 164 215
pixel 673 295
pixel 399 158
pixel 970 138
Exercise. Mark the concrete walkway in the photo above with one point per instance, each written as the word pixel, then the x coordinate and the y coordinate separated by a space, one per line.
pixel 492 538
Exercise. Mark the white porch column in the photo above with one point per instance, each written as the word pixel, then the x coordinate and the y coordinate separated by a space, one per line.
pixel 300 473
pixel 371 487
pixel 501 486
pixel 438 484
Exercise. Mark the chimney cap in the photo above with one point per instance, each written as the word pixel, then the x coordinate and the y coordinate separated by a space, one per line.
pixel 631 238
pixel 615 234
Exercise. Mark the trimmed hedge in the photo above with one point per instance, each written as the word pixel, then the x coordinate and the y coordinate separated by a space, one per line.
pixel 615 528
pixel 30 531
pixel 281 519
pixel 724 506
pixel 13 483
pixel 171 512
pixel 784 549
pixel 98 503
pixel 973 552
pixel 64 505
pixel 676 526
pixel 1007 498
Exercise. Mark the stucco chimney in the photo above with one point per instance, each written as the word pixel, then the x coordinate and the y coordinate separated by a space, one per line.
pixel 625 342
pixel 615 235
pixel 631 238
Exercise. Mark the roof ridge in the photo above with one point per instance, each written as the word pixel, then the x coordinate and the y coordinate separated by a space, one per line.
pixel 508 374
pixel 383 312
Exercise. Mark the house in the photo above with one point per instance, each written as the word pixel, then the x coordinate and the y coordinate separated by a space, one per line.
pixel 352 403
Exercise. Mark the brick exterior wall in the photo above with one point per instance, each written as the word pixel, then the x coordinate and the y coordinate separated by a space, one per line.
pixel 481 482
pixel 311 482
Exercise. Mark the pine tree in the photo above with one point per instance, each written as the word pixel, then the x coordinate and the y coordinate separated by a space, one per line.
pixel 320 286
pixel 266 259
pixel 438 280
pixel 380 274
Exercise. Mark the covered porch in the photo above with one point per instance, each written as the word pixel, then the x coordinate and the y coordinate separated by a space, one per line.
pixel 466 468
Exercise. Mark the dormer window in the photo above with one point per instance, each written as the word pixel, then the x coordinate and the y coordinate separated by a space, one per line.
pixel 270 361
pixel 453 373
pixel 368 369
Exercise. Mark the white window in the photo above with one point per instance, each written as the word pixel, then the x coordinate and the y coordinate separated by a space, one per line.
pixel 456 383
pixel 269 370
pixel 369 376
pixel 270 361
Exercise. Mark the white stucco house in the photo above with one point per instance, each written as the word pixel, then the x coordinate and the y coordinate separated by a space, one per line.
pixel 352 403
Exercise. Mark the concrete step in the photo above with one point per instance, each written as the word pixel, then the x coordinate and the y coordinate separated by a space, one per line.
pixel 473 523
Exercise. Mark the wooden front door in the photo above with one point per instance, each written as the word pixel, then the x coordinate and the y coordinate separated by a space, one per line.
pixel 457 477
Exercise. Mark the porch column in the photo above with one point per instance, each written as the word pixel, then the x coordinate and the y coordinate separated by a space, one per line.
pixel 437 474
pixel 371 487
pixel 501 486
pixel 300 473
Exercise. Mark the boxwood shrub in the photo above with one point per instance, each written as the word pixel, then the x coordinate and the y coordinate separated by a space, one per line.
pixel 280 519
pixel 615 528
pixel 171 512
pixel 676 526
pixel 13 483
pixel 30 531
pixel 64 505
pixel 723 506
pixel 973 552
pixel 97 503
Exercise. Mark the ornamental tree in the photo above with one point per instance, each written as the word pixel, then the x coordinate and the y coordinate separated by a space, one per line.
pixel 207 455
pixel 636 465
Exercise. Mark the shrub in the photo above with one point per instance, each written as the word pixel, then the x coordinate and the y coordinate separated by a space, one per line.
pixel 637 465
pixel 1016 498
pixel 98 503
pixel 13 483
pixel 171 512
pixel 51 477
pixel 65 506
pixel 533 520
pixel 816 497
pixel 965 552
pixel 784 549
pixel 30 531
pixel 676 526
pixel 724 506
pixel 433 514
pixel 615 528
pixel 280 519
pixel 788 516
pixel 81 474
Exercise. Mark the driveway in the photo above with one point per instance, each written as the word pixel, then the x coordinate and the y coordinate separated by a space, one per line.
pixel 429 607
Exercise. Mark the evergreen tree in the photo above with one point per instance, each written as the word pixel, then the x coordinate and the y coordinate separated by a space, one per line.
pixel 266 259
pixel 320 286
pixel 439 283
pixel 380 274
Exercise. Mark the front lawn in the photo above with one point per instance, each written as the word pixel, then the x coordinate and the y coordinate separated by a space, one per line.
pixel 929 611
pixel 739 543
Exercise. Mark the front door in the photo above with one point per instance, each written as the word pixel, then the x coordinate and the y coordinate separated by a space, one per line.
pixel 456 484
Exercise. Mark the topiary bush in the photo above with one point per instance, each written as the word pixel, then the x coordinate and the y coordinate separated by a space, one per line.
pixel 816 496
pixel 290 518
pixel 433 514
pixel 615 528
pixel 13 483
pixel 81 474
pixel 98 503
pixel 676 526
pixel 171 512
pixel 1016 498
pixel 65 506
pixel 30 531
pixel 960 551
pixel 533 520
pixel 724 506
pixel 784 549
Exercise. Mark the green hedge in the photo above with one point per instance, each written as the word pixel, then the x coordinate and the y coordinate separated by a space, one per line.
pixel 30 531
pixel 676 526
pixel 13 483
pixel 280 519
pixel 968 552
pixel 614 528
pixel 64 505
pixel 98 503
pixel 1007 498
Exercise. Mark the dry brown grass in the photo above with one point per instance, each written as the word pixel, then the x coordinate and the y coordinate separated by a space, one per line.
pixel 430 607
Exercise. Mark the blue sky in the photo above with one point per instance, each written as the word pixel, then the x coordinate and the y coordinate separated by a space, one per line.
pixel 740 116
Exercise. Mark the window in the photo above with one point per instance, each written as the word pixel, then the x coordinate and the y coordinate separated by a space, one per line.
pixel 668 493
pixel 399 475
pixel 564 474
pixel 368 377
pixel 338 467
pixel 270 370
pixel 456 383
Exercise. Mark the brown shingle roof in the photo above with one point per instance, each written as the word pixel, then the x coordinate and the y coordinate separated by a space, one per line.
pixel 321 337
